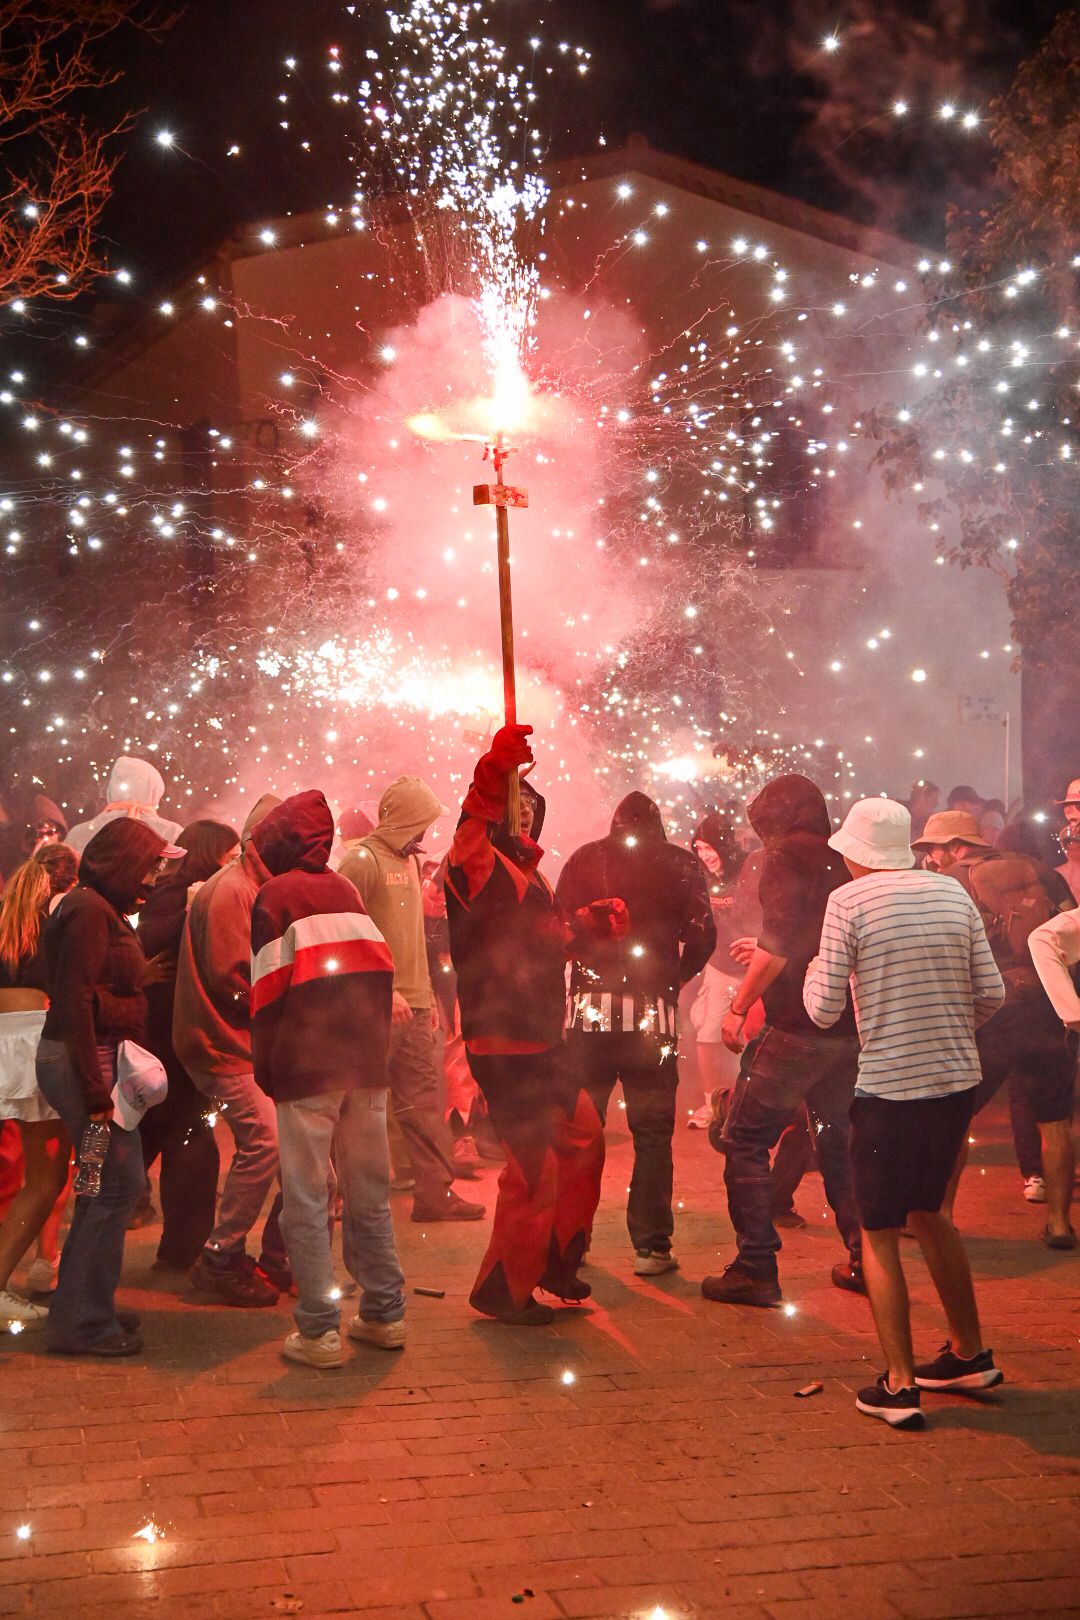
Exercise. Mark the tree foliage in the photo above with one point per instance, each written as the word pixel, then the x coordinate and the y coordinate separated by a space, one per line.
pixel 58 166
pixel 990 439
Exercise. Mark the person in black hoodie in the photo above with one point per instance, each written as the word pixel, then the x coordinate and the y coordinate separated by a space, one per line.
pixel 177 1130
pixel 793 1061
pixel 508 946
pixel 624 994
pixel 95 971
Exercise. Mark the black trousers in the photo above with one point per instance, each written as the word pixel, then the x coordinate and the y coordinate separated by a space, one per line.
pixel 650 1080
pixel 177 1133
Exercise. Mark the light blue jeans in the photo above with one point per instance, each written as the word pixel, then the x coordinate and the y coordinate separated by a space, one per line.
pixel 342 1132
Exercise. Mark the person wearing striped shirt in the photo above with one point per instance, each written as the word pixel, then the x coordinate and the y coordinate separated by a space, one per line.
pixel 913 949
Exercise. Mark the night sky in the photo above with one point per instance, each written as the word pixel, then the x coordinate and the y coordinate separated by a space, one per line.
pixel 710 80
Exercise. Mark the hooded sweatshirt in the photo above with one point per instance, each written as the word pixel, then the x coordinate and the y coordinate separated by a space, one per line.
pixel 212 1010
pixel 798 874
pixel 384 869
pixel 135 789
pixel 321 974
pixel 631 983
pixel 94 963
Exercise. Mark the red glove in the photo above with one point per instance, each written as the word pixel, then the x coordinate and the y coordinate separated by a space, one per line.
pixel 601 921
pixel 509 748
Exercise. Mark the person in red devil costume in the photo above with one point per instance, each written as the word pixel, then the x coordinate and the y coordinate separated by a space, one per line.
pixel 509 950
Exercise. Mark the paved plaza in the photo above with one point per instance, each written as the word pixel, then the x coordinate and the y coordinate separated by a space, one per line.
pixel 648 1457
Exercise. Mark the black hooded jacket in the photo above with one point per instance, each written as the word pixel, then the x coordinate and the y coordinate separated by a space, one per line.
pixel 93 959
pixel 672 933
pixel 798 874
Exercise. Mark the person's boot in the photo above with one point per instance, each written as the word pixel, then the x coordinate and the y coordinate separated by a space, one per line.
pixel 736 1286
pixel 531 1314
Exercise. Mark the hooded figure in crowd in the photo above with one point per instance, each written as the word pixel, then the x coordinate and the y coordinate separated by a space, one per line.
pixel 792 1061
pixel 509 951
pixel 321 989
pixel 212 1039
pixel 95 970
pixel 384 868
pixel 622 1017
pixel 135 790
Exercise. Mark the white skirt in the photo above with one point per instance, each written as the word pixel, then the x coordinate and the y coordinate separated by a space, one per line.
pixel 19 1094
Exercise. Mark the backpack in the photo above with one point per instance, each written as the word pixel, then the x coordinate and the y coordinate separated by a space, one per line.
pixel 1012 902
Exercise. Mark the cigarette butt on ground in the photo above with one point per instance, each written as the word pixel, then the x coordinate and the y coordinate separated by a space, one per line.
pixel 807 1389
pixel 432 1293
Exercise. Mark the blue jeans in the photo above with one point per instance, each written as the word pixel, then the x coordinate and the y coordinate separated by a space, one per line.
pixel 785 1070
pixel 342 1132
pixel 84 1307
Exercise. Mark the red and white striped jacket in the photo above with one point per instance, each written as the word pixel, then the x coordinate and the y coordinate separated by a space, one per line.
pixel 321 973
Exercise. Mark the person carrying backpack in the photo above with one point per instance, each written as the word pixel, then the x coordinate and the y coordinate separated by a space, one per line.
pixel 1025 1040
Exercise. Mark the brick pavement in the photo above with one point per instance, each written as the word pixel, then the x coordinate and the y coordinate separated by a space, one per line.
pixel 675 1475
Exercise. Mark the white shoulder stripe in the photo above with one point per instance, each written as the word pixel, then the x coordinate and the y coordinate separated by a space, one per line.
pixel 323 928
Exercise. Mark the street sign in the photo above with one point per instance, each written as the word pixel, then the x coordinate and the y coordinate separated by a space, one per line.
pixel 499 495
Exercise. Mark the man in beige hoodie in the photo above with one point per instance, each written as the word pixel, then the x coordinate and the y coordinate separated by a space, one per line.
pixel 385 870
pixel 212 1039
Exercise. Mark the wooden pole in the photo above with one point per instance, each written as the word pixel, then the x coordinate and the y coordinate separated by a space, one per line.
pixel 506 625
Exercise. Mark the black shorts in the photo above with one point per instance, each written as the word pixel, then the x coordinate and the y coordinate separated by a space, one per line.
pixel 1026 1042
pixel 903 1153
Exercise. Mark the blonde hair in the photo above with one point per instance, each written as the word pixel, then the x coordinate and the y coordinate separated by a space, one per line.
pixel 25 896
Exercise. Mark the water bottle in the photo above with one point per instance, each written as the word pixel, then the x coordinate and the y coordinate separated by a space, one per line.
pixel 93 1147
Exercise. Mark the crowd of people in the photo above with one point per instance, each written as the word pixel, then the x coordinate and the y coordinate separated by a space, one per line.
pixel 855 995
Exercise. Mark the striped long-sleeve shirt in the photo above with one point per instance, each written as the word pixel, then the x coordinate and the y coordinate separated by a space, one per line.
pixel 922 977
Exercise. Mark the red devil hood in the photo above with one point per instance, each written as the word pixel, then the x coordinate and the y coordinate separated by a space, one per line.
pixel 296 836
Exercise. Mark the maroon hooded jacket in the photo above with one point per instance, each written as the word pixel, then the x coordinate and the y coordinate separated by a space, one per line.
pixel 321 973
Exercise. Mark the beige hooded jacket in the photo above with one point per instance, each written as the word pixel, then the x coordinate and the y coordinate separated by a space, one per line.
pixel 388 881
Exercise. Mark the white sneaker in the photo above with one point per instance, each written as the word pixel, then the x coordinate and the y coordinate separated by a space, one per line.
pixel 387 1335
pixel 651 1262
pixel 16 1310
pixel 1035 1190
pixel 325 1351
pixel 41 1278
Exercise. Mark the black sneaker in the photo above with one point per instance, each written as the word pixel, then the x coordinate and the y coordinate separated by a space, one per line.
pixel 738 1287
pixel 899 1408
pixel 236 1281
pixel 950 1371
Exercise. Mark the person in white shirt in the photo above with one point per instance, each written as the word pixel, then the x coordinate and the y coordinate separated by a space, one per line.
pixel 1055 950
pixel 913 948
pixel 1069 838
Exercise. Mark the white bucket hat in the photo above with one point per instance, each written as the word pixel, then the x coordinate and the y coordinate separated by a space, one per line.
pixel 876 833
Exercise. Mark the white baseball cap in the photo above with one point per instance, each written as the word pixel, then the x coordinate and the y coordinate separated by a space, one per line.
pixel 141 1083
pixel 876 833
